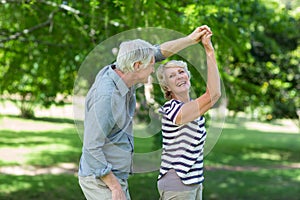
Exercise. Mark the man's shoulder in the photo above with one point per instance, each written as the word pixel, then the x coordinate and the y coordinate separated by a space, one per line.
pixel 103 80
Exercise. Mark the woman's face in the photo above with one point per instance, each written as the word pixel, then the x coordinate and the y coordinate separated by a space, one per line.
pixel 178 80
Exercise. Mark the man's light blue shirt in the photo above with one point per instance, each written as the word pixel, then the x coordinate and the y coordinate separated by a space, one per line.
pixel 108 132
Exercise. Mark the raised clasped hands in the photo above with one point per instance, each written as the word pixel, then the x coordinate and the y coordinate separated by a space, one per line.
pixel 203 34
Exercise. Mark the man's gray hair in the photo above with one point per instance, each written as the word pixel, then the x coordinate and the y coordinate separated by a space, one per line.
pixel 134 51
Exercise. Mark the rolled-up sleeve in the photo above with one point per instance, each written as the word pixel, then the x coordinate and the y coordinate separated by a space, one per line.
pixel 98 124
pixel 171 109
pixel 157 54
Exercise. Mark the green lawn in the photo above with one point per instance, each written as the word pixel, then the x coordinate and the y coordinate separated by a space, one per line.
pixel 246 163
pixel 268 164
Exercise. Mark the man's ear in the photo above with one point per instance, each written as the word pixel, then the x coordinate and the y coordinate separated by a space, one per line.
pixel 136 65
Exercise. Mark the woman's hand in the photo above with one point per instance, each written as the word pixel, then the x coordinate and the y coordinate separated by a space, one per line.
pixel 206 39
pixel 202 34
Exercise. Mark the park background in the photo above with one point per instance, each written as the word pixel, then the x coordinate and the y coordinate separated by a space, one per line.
pixel 43 44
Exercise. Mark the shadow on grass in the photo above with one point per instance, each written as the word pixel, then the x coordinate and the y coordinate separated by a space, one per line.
pixel 236 147
pixel 46 187
pixel 143 186
pixel 46 119
pixel 44 148
pixel 55 120
pixel 247 185
pixel 255 148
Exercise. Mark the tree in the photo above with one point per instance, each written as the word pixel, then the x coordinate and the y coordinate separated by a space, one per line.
pixel 43 43
pixel 257 44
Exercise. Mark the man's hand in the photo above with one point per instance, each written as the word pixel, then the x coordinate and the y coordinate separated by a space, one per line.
pixel 118 194
pixel 113 184
pixel 198 33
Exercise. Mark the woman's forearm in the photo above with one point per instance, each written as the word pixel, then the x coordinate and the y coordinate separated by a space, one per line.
pixel 213 77
pixel 191 110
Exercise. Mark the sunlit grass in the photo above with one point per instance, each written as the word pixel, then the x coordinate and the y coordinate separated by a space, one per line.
pixel 264 152
pixel 237 146
pixel 247 147
pixel 45 187
pixel 258 155
pixel 264 184
pixel 15 186
pixel 41 148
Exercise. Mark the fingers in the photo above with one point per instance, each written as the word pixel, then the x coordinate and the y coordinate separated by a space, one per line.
pixel 200 33
pixel 206 38
pixel 208 34
pixel 204 28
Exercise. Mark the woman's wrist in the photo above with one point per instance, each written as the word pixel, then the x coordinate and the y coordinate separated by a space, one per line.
pixel 210 51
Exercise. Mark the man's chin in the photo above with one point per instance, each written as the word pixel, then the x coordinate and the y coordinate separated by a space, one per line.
pixel 148 80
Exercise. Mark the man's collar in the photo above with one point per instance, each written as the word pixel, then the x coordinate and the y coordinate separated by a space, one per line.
pixel 120 84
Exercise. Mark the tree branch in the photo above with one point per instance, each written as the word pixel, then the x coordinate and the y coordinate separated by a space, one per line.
pixel 26 31
pixel 61 6
pixel 49 21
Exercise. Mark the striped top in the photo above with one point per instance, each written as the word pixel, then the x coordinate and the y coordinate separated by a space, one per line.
pixel 182 145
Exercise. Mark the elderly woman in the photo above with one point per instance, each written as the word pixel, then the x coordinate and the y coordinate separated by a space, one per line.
pixel 183 130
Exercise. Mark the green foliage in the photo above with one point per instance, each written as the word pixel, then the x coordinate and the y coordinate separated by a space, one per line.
pixel 43 43
pixel 41 61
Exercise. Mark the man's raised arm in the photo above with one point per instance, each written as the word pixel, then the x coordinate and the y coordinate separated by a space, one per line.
pixel 172 47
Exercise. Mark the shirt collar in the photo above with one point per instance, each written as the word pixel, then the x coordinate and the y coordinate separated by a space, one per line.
pixel 120 84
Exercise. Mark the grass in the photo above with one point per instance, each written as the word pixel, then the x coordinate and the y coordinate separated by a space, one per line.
pixel 260 155
pixel 41 148
pixel 42 187
pixel 255 148
pixel 263 184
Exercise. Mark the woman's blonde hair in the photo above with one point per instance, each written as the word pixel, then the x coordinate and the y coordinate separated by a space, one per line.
pixel 161 76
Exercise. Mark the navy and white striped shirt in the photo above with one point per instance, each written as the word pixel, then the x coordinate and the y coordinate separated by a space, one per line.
pixel 182 145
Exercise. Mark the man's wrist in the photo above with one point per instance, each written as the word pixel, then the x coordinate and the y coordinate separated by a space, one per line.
pixel 190 40
pixel 115 187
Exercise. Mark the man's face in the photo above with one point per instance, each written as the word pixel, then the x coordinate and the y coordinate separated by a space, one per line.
pixel 147 70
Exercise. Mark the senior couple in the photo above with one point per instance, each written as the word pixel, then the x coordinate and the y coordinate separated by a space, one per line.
pixel 107 151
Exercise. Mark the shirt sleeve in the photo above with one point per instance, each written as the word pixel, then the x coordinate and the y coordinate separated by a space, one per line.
pixel 171 109
pixel 157 54
pixel 98 125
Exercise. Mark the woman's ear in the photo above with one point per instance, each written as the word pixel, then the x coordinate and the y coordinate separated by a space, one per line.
pixel 167 89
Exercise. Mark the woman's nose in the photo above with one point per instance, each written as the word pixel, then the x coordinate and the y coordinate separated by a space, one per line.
pixel 179 76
